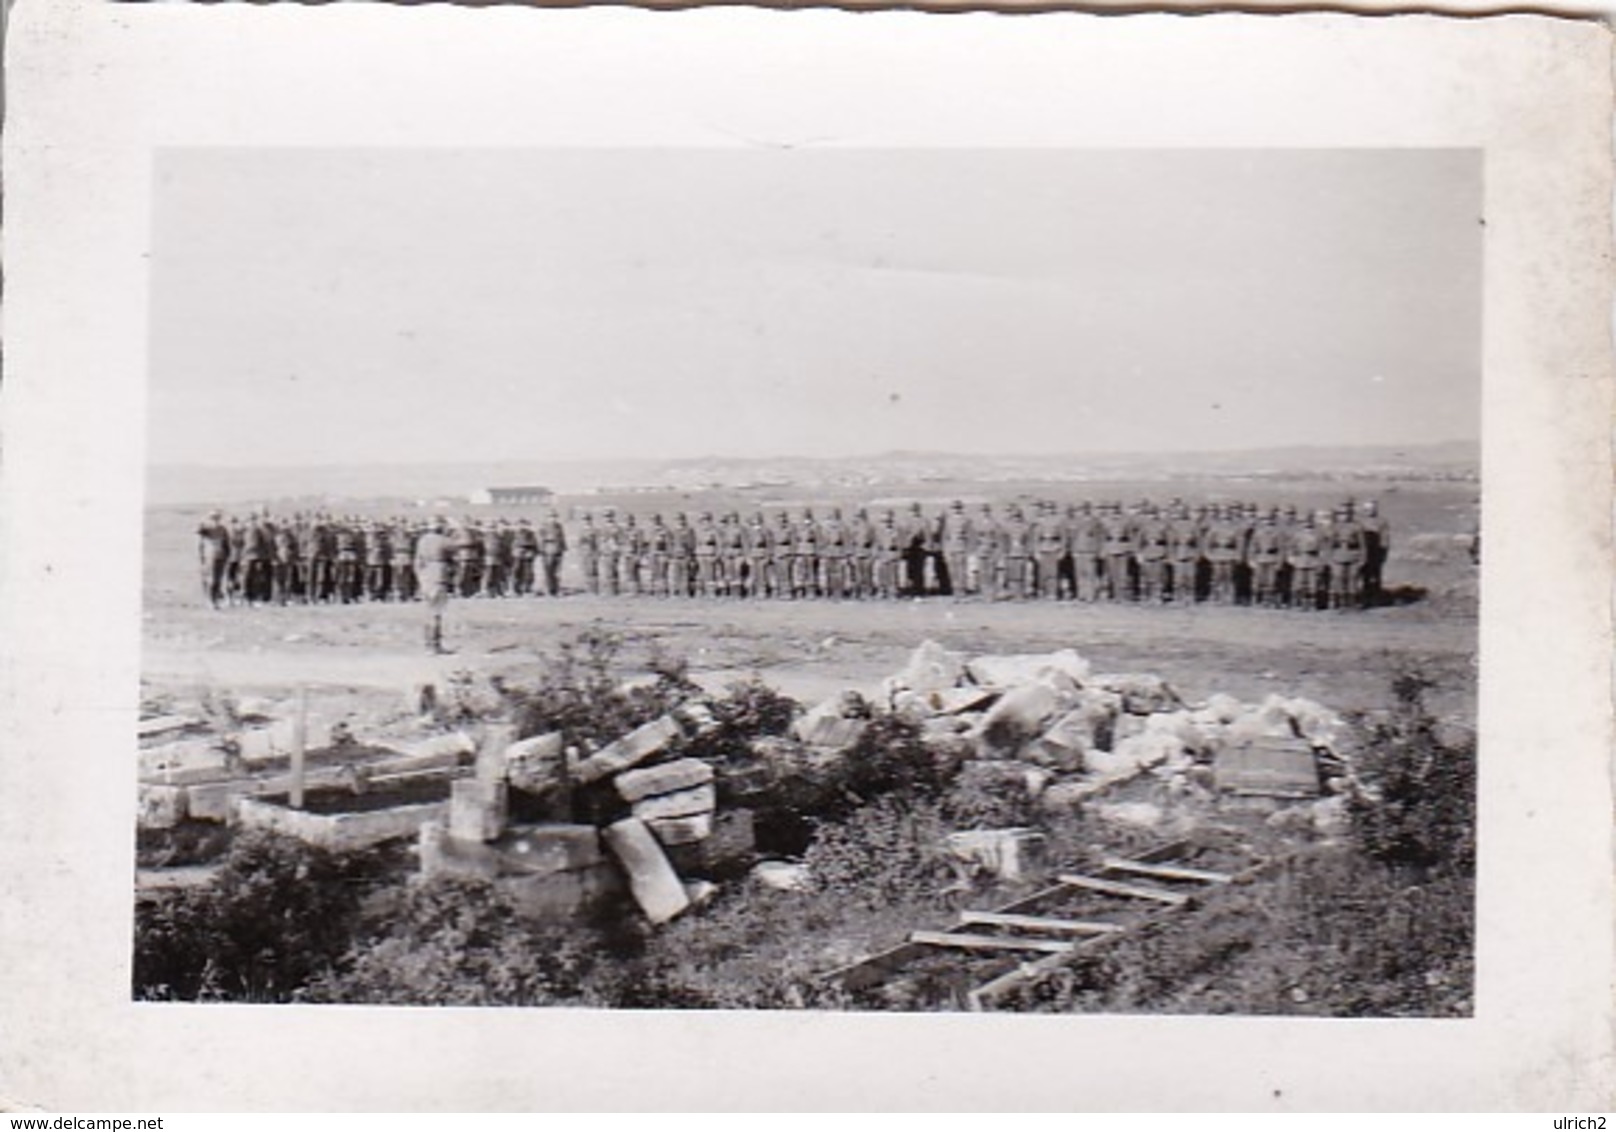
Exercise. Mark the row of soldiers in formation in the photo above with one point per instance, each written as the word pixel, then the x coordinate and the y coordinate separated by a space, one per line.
pixel 1224 553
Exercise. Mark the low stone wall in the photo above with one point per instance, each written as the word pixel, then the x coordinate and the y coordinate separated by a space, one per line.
pixel 339 831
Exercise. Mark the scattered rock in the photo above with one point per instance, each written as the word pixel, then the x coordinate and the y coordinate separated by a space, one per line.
pixel 632 749
pixel 700 893
pixel 1009 671
pixel 1142 693
pixel 655 886
pixel 682 830
pixel 931 668
pixel 782 876
pixel 1331 819
pixel 477 809
pixel 1009 854
pixel 537 765
pixel 1136 815
pixel 681 804
pixel 665 778
pixel 161 807
pixel 1019 716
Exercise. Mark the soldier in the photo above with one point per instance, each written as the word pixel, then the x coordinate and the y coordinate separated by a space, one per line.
pixel 213 551
pixel 784 547
pixel 805 556
pixel 431 568
pixel 1049 547
pixel 1185 533
pixel 889 550
pixel 1267 555
pixel 403 540
pixel 1017 541
pixel 634 555
pixel 589 553
pixel 982 566
pixel 955 538
pixel 1346 559
pixel 609 546
pixel 1377 544
pixel 524 556
pixel 916 550
pixel 861 555
pixel 833 555
pixel 320 556
pixel 658 552
pixel 706 549
pixel 681 560
pixel 347 562
pixel 1154 550
pixel 757 543
pixel 283 563
pixel 552 549
pixel 1223 554
pixel 1116 533
pixel 732 555
pixel 1086 542
pixel 1305 557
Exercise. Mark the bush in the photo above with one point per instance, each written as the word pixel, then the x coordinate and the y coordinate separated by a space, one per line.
pixel 277 913
pixel 888 851
pixel 449 942
pixel 579 693
pixel 1414 805
pixel 748 710
pixel 890 758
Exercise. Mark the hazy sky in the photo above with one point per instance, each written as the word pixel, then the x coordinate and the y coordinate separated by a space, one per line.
pixel 384 305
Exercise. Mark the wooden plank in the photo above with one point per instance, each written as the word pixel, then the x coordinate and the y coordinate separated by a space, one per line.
pixel 1166 872
pixel 967 942
pixel 1117 888
pixel 1039 923
pixel 874 970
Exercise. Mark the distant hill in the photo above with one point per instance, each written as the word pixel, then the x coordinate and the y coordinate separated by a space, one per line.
pixel 171 484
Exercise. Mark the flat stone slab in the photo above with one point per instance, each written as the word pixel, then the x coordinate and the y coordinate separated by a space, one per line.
pixel 684 804
pixel 665 778
pixel 655 886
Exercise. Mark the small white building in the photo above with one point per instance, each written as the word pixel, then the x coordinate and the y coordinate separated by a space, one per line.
pixel 510 496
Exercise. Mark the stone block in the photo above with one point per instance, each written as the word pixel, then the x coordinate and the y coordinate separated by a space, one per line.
pixel 700 893
pixel 782 876
pixel 1270 768
pixel 1142 693
pixel 683 804
pixel 655 886
pixel 931 668
pixel 733 843
pixel 477 809
pixel 632 749
pixel 161 807
pixel 665 778
pixel 552 897
pixel 185 755
pixel 682 831
pixel 442 855
pixel 1018 716
pixel 457 746
pixel 537 765
pixel 1134 815
pixel 548 848
pixel 340 832
pixel 1010 671
pixel 1009 854
pixel 833 732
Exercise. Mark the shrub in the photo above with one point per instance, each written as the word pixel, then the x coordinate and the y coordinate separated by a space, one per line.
pixel 1414 805
pixel 277 913
pixel 887 851
pixel 749 709
pixel 579 693
pixel 891 758
pixel 450 942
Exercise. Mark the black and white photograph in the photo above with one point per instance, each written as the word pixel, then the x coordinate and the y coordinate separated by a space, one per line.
pixel 564 554
pixel 870 580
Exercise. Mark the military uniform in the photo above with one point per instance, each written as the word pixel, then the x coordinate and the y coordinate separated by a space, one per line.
pixel 1267 556
pixel 431 566
pixel 1377 545
pixel 213 551
pixel 889 550
pixel 525 555
pixel 1154 550
pixel 982 566
pixel 1306 558
pixel 805 556
pixel 1116 531
pixel 552 551
pixel 833 555
pixel 589 553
